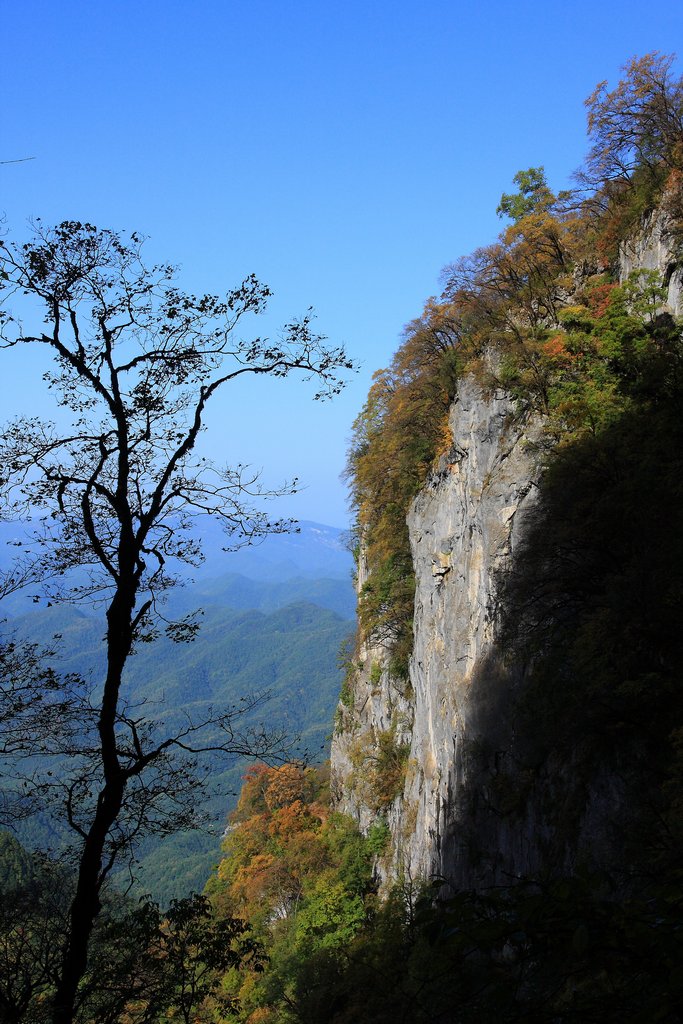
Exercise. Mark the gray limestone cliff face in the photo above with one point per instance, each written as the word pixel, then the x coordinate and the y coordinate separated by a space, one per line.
pixel 656 247
pixel 467 810
pixel 464 527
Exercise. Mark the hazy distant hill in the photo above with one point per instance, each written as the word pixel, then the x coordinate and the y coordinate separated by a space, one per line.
pixel 292 652
pixel 236 591
pixel 276 621
pixel 311 551
pixel 314 550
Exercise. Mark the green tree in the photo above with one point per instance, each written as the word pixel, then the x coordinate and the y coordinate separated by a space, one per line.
pixel 136 362
pixel 196 948
pixel 533 196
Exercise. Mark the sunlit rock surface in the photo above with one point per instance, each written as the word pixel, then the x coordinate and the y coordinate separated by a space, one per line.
pixel 464 527
pixel 469 810
pixel 656 247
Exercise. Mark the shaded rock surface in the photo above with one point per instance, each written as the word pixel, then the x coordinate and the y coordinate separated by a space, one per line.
pixel 470 809
pixel 464 527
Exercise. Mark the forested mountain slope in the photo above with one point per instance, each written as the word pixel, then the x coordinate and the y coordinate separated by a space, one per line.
pixel 260 632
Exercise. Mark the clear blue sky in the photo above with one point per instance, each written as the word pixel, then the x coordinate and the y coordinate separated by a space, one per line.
pixel 342 151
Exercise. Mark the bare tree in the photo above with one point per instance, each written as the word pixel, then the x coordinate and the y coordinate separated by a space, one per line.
pixel 135 362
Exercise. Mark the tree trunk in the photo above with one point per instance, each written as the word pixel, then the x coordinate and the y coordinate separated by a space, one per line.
pixel 86 905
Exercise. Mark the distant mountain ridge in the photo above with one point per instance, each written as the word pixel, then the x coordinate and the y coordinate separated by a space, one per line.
pixel 312 551
pixel 274 617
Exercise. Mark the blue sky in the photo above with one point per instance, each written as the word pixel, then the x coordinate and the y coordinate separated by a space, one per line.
pixel 343 152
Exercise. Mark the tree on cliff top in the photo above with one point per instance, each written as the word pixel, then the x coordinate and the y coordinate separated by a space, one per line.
pixel 638 126
pixel 135 362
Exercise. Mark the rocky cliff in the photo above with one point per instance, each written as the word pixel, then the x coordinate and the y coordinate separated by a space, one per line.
pixel 464 528
pixel 464 801
pixel 656 247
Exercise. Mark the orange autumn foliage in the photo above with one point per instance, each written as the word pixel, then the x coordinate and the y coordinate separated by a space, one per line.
pixel 276 840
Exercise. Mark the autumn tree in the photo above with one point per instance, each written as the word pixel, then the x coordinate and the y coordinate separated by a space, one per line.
pixel 516 284
pixel 273 843
pixel 637 126
pixel 300 874
pixel 194 948
pixel 114 490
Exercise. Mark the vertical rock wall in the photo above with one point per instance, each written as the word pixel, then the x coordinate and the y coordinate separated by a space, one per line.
pixel 656 247
pixel 464 527
pixel 459 813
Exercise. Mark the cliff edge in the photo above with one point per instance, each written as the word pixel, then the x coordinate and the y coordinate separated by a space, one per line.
pixel 440 759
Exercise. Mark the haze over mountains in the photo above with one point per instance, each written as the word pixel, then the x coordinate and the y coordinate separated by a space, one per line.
pixel 274 617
